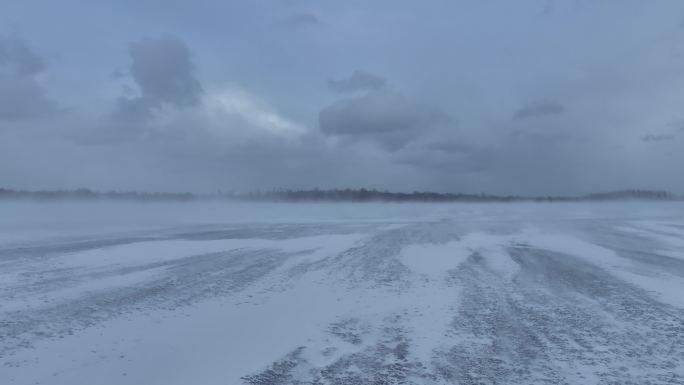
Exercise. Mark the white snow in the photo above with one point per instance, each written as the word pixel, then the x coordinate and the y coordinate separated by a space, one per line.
pixel 434 260
pixel 219 339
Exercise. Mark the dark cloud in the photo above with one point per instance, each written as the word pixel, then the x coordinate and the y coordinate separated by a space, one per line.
pixel 657 138
pixel 17 57
pixel 385 117
pixel 24 98
pixel 358 81
pixel 117 74
pixel 547 9
pixel 163 71
pixel 21 95
pixel 136 109
pixel 300 20
pixel 450 146
pixel 674 128
pixel 539 109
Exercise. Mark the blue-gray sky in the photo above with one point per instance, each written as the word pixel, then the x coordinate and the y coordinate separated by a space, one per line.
pixel 508 97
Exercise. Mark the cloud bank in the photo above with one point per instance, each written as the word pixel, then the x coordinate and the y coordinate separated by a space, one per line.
pixel 528 97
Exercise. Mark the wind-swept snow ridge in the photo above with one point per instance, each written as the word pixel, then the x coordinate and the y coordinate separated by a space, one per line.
pixel 351 294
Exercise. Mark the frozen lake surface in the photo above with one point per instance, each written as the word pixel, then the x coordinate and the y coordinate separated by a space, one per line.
pixel 207 293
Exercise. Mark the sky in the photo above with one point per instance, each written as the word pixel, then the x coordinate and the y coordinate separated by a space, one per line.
pixel 532 97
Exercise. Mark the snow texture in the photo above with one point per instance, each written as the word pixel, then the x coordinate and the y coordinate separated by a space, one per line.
pixel 266 294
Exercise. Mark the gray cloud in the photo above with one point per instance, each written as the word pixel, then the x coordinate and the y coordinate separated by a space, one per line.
pixel 674 129
pixel 24 98
pixel 136 109
pixel 677 125
pixel 358 81
pixel 16 56
pixel 21 95
pixel 448 145
pixel 539 109
pixel 621 81
pixel 657 138
pixel 547 9
pixel 300 20
pixel 440 161
pixel 385 117
pixel 163 71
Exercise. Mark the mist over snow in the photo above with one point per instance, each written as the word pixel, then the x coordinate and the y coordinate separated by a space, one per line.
pixel 382 192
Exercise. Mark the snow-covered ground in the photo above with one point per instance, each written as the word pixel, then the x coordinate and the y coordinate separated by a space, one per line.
pixel 209 293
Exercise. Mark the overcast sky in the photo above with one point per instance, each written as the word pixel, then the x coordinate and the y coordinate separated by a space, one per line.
pixel 498 96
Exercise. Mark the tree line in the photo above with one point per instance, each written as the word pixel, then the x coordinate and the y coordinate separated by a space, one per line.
pixel 326 195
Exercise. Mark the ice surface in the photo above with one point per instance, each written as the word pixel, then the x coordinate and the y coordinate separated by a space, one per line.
pixel 208 293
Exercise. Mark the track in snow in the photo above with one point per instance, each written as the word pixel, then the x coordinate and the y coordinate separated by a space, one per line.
pixel 442 301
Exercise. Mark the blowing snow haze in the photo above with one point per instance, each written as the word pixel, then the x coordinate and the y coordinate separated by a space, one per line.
pixel 530 97
pixel 294 192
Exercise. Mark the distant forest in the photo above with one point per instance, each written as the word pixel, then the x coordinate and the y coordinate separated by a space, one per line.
pixel 334 195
